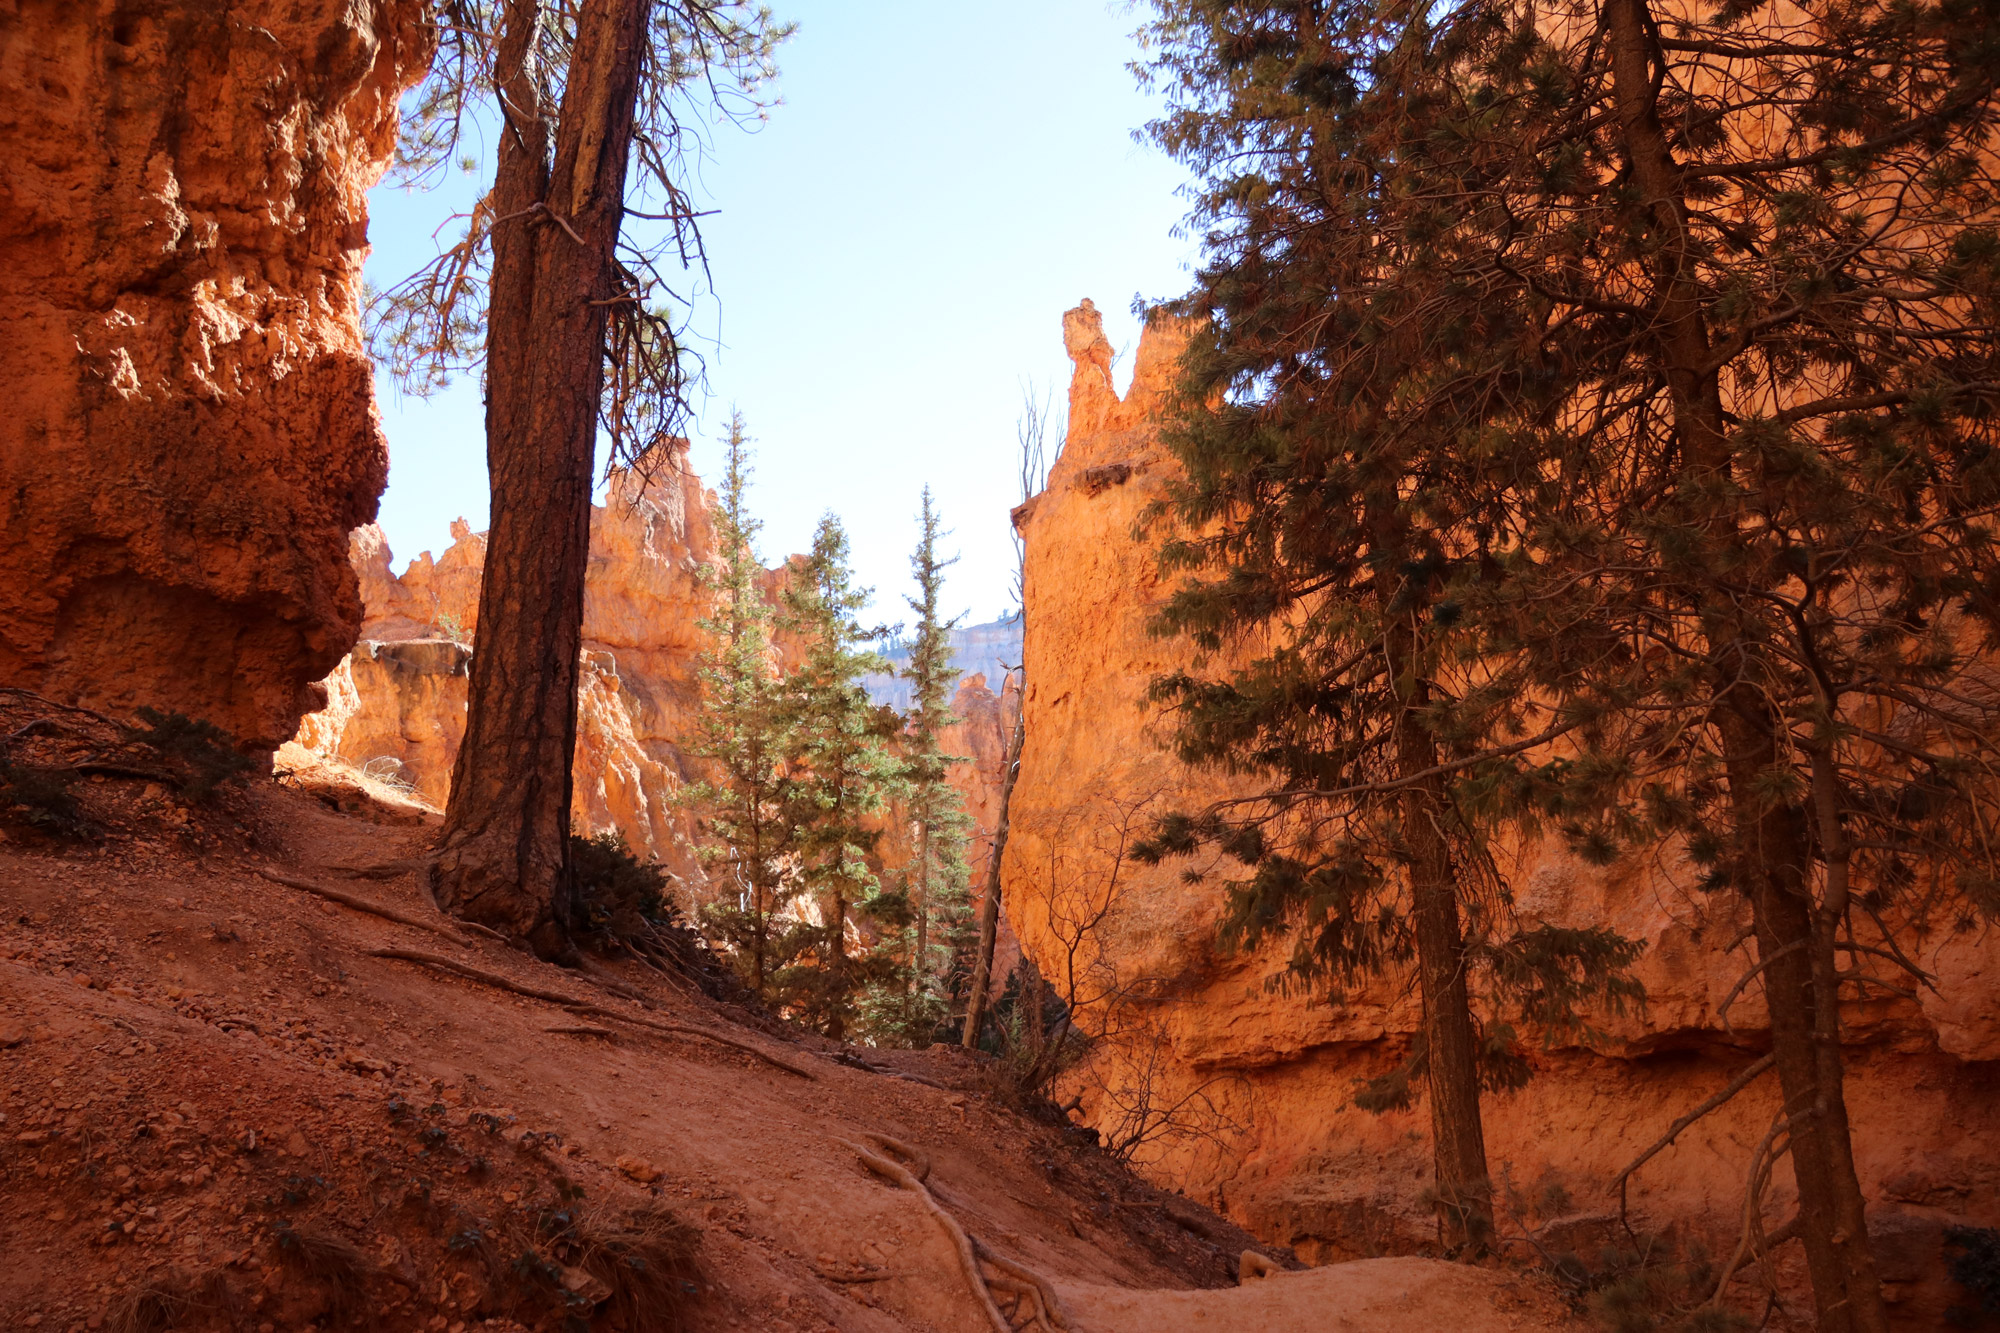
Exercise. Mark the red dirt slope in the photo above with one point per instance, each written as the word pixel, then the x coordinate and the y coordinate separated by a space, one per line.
pixel 220 1109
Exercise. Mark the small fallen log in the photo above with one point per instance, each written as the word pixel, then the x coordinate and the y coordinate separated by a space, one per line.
pixel 584 1007
pixel 361 904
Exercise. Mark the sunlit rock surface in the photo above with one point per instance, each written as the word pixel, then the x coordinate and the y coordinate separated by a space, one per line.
pixel 190 429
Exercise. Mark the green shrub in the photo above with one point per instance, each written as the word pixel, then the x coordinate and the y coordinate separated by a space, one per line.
pixel 616 893
pixel 41 799
pixel 205 753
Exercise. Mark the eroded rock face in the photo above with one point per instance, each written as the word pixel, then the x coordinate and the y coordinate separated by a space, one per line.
pixel 1278 1142
pixel 190 429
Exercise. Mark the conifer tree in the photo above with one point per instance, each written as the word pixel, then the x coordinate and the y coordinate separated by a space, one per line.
pixel 746 732
pixel 1677 331
pixel 937 874
pixel 841 771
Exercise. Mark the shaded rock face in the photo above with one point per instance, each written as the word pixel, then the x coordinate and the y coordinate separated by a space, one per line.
pixel 1285 1151
pixel 190 428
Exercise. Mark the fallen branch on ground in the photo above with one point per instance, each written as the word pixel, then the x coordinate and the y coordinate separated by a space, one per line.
pixel 576 1006
pixel 361 904
pixel 883 1276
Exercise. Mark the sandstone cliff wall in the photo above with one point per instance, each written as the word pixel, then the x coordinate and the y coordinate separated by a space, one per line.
pixel 190 429
pixel 1272 1073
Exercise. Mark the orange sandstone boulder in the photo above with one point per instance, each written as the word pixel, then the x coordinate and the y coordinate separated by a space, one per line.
pixel 190 429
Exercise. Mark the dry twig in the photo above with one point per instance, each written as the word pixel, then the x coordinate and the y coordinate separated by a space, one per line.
pixel 1729 1090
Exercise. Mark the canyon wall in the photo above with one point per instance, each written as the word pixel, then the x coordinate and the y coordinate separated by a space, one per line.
pixel 191 429
pixel 1265 1076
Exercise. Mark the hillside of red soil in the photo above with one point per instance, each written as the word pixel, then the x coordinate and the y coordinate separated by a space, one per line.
pixel 222 1108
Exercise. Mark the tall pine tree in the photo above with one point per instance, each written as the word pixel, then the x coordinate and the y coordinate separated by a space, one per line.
pixel 746 733
pixel 842 772
pixel 936 875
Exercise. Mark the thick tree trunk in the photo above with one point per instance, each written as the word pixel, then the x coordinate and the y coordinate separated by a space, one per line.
pixel 1451 1044
pixel 1797 957
pixel 504 854
pixel 1772 844
pixel 989 900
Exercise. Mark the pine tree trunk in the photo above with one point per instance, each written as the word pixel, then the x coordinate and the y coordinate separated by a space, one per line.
pixel 504 854
pixel 989 900
pixel 922 961
pixel 1771 843
pixel 1451 1045
pixel 836 1021
pixel 1797 959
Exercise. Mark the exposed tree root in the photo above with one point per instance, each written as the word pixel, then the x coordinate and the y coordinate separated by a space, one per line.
pixel 1047 1306
pixel 920 1165
pixel 585 1007
pixel 387 869
pixel 1029 1292
pixel 361 904
pixel 896 1174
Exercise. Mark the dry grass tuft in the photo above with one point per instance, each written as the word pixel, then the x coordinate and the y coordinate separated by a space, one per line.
pixel 333 1266
pixel 647 1257
pixel 169 1299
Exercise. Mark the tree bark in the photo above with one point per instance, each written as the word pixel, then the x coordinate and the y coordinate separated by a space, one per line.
pixel 989 901
pixel 1772 842
pixel 1451 1044
pixel 504 853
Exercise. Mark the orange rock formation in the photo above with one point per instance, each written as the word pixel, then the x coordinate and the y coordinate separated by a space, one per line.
pixel 1290 1156
pixel 191 429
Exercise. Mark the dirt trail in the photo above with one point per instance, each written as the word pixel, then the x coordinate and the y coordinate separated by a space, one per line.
pixel 218 1109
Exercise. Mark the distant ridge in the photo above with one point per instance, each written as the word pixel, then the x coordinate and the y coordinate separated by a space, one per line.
pixel 991 649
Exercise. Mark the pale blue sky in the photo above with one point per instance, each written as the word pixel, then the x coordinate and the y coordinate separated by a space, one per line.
pixel 891 260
